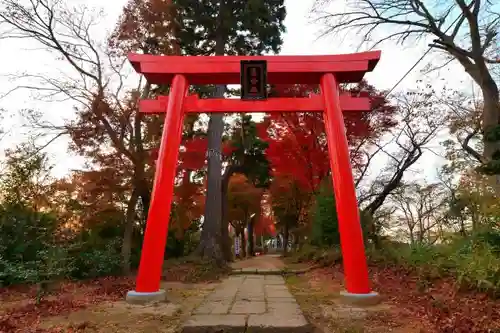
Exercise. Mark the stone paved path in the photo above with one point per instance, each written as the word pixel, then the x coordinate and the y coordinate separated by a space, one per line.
pixel 269 261
pixel 248 304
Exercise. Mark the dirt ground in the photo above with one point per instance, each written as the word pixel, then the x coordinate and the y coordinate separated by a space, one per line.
pixel 405 308
pixel 79 310
pixel 318 297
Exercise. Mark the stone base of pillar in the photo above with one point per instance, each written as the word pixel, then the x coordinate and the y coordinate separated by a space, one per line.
pixel 134 297
pixel 369 299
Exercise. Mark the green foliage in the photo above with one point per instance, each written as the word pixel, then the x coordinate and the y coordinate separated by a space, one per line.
pixel 246 27
pixel 31 250
pixel 249 152
pixel 325 228
pixel 34 247
pixel 27 246
pixel 87 260
pixel 181 246
pixel 325 256
pixel 25 177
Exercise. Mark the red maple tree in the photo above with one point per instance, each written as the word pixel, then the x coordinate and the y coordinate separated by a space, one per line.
pixel 297 141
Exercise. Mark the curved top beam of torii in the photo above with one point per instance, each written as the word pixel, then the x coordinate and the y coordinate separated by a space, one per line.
pixel 200 70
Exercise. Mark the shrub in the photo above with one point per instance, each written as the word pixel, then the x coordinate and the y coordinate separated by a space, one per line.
pixel 317 255
pixel 31 252
pixel 89 261
pixel 325 229
pixel 473 262
pixel 28 251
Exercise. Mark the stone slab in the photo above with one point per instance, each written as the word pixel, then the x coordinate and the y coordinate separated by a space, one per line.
pixel 253 278
pixel 278 294
pixel 282 300
pixel 273 279
pixel 254 298
pixel 275 323
pixel 243 307
pixel 213 307
pixel 215 324
pixel 222 295
pixel 275 287
pixel 284 308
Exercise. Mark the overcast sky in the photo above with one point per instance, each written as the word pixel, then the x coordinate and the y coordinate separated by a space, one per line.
pixel 300 39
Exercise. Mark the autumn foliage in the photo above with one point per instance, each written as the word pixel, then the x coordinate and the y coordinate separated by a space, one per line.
pixel 243 200
pixel 297 141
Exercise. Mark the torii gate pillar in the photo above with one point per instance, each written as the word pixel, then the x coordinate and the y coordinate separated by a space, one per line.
pixel 327 71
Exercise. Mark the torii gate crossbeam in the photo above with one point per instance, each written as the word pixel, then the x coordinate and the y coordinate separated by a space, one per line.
pixel 327 71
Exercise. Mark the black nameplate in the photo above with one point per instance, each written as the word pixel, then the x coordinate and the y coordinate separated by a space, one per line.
pixel 253 79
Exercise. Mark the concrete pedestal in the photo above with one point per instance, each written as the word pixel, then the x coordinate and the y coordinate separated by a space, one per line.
pixel 370 299
pixel 134 297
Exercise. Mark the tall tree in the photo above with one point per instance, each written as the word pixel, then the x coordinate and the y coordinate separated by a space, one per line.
pixel 233 28
pixel 247 157
pixel 465 30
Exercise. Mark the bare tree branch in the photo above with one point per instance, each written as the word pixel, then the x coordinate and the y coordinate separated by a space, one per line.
pixel 469 39
pixel 421 120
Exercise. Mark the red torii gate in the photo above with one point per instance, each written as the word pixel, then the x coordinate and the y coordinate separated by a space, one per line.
pixel 327 70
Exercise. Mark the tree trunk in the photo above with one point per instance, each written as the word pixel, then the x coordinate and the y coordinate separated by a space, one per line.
pixel 251 250
pixel 141 184
pixel 367 219
pixel 296 240
pixel 140 187
pixel 243 244
pixel 210 242
pixel 491 115
pixel 145 194
pixel 412 235
pixel 225 240
pixel 285 238
pixel 128 231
